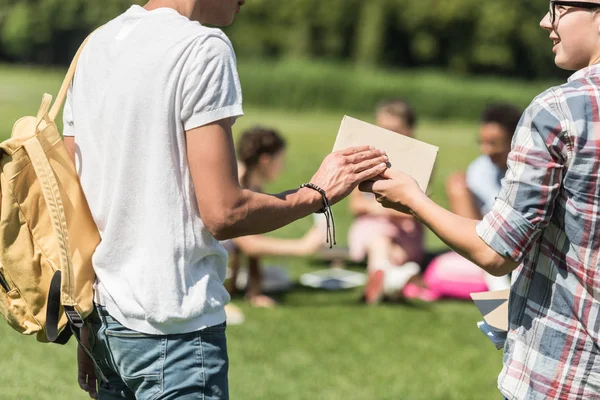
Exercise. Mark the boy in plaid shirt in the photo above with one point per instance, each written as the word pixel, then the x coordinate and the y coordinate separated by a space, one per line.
pixel 545 224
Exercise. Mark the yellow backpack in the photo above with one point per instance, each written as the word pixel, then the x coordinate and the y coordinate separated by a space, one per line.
pixel 47 234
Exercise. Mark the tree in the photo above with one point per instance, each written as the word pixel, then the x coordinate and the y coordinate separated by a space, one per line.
pixel 462 36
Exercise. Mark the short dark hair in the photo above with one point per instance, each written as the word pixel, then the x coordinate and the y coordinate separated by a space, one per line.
pixel 504 114
pixel 399 108
pixel 257 141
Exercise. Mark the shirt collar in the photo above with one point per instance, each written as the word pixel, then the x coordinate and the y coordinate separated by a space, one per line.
pixel 586 72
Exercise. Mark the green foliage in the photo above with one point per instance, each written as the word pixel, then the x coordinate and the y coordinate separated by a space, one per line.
pixel 300 85
pixel 463 36
pixel 16 34
pixel 49 31
pixel 370 37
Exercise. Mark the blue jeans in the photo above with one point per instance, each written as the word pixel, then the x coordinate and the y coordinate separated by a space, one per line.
pixel 140 366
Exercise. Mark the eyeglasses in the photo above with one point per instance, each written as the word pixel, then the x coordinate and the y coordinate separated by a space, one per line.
pixel 578 4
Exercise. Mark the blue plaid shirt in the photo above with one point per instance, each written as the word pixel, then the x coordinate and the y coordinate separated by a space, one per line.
pixel 547 217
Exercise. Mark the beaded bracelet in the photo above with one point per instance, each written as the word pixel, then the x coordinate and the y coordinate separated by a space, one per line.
pixel 325 210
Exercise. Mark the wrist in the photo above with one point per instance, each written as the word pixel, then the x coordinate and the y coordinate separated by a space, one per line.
pixel 325 210
pixel 311 198
pixel 418 203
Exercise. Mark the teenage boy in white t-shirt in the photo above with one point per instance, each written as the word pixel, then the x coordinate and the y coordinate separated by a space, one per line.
pixel 148 121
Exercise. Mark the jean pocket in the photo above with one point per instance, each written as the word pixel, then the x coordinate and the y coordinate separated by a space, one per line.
pixel 145 387
pixel 97 348
pixel 139 360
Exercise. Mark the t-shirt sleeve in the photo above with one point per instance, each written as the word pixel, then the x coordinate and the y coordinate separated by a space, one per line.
pixel 68 126
pixel 532 183
pixel 211 87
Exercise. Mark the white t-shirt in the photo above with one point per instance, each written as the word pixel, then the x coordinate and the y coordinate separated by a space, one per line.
pixel 484 180
pixel 143 80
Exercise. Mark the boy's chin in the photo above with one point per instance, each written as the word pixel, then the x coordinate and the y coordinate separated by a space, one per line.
pixel 567 63
pixel 222 22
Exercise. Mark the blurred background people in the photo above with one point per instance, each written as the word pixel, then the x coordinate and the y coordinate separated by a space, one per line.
pixel 472 195
pixel 261 154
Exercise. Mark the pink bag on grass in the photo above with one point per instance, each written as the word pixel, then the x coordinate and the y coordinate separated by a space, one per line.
pixel 453 276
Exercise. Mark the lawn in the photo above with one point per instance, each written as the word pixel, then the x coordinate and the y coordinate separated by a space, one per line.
pixel 315 345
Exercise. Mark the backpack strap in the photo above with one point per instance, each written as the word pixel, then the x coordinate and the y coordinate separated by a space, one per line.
pixel 54 203
pixel 62 93
pixel 42 114
pixel 53 313
pixel 62 287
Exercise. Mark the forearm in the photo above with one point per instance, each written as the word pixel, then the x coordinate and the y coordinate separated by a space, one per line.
pixel 255 213
pixel 259 245
pixel 460 234
pixel 228 211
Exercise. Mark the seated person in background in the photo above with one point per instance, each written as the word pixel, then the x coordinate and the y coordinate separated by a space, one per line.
pixel 261 151
pixel 472 195
pixel 392 242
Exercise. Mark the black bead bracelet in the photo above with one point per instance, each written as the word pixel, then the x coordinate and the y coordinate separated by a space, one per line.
pixel 325 210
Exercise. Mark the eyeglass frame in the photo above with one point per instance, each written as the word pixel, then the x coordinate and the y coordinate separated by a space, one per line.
pixel 578 4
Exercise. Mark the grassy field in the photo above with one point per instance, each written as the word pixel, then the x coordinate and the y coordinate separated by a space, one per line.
pixel 315 345
pixel 309 85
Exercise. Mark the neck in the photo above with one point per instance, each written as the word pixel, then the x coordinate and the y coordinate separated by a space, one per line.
pixel 183 7
pixel 254 180
pixel 595 58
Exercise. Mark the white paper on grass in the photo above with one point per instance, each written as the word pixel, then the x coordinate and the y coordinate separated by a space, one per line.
pixel 345 279
pixel 406 154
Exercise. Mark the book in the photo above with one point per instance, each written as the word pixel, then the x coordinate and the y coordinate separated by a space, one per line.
pixel 493 306
pixel 411 156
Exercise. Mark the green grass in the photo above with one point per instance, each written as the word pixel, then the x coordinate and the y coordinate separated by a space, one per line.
pixel 316 345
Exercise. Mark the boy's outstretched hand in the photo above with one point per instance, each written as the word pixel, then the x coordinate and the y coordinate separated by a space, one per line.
pixel 343 170
pixel 394 189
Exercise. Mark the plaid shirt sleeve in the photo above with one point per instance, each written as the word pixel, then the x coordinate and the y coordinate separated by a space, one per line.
pixel 532 183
